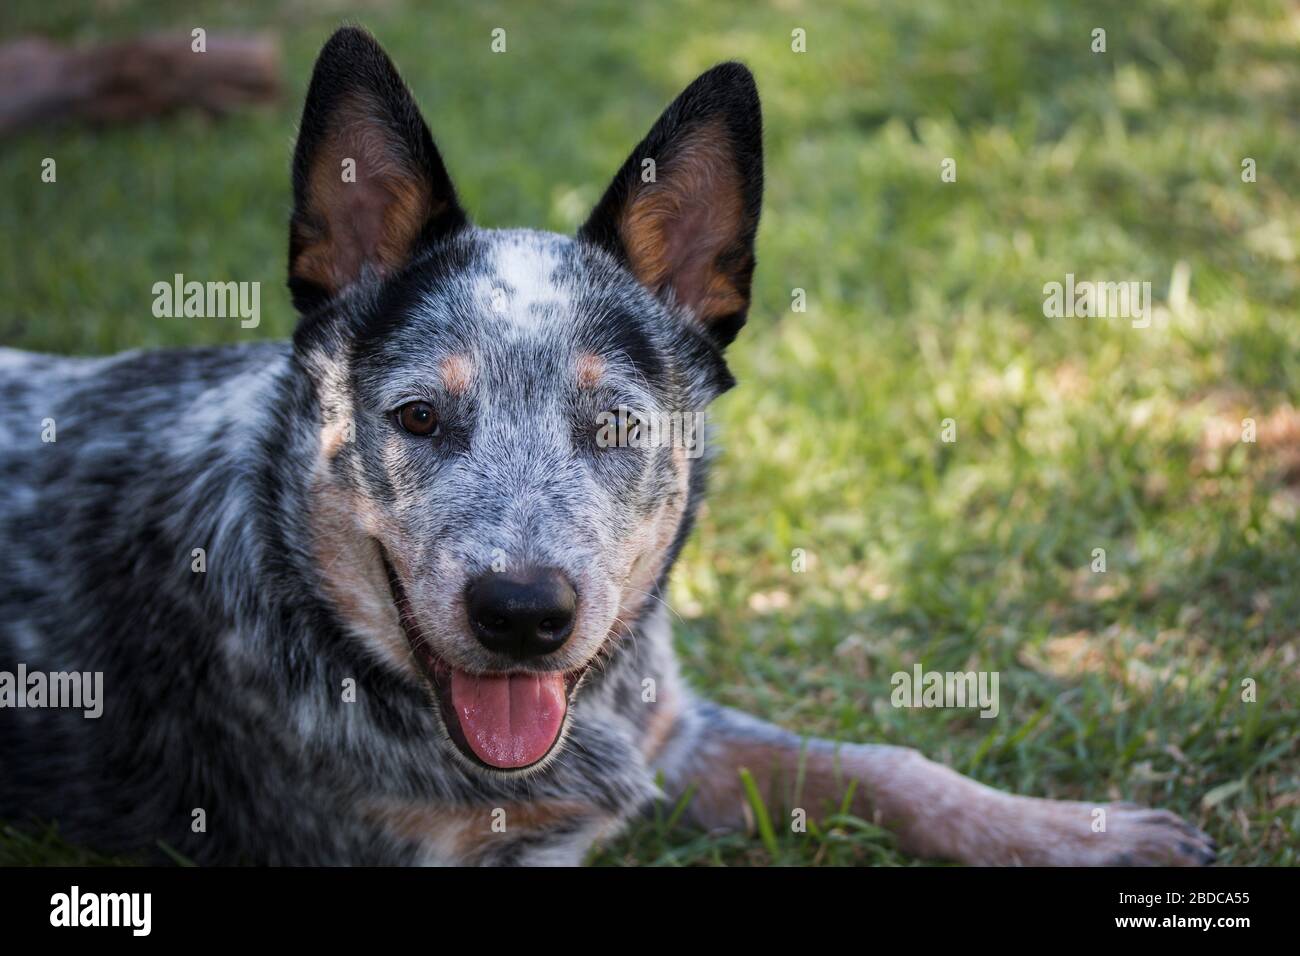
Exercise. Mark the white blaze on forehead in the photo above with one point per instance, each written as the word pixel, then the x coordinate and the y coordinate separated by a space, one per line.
pixel 521 276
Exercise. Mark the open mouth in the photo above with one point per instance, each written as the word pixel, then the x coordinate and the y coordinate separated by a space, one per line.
pixel 502 720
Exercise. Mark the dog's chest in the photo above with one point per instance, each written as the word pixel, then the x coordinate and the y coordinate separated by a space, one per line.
pixel 551 833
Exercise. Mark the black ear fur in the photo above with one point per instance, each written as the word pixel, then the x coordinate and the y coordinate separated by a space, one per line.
pixel 715 126
pixel 357 107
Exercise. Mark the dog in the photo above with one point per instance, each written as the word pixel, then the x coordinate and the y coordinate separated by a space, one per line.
pixel 386 593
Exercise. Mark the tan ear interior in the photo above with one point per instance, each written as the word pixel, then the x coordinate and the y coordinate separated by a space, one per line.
pixel 375 219
pixel 675 230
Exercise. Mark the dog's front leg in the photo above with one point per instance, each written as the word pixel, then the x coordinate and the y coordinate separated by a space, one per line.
pixel 934 811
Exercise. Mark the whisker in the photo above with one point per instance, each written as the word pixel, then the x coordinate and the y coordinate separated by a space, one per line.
pixel 656 597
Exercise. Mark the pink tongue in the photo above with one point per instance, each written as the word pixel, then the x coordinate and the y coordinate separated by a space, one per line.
pixel 510 720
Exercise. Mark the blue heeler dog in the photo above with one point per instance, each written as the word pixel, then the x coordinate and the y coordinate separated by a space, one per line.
pixel 380 595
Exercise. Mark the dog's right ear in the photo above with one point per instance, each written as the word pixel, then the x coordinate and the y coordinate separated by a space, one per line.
pixel 683 211
pixel 369 188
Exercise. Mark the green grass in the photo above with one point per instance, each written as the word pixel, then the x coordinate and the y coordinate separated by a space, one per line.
pixel 924 303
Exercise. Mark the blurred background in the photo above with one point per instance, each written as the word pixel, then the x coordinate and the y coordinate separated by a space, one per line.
pixel 924 302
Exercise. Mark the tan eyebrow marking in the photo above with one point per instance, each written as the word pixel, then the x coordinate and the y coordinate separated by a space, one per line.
pixel 457 373
pixel 591 369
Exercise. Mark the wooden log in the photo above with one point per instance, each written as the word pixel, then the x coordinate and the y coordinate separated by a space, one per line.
pixel 44 83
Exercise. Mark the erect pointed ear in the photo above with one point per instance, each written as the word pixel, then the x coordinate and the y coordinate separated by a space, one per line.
pixel 369 187
pixel 683 210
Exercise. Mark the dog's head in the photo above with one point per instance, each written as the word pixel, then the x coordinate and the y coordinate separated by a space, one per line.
pixel 508 419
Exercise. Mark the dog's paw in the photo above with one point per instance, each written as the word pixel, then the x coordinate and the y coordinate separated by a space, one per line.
pixel 1112 834
pixel 1139 836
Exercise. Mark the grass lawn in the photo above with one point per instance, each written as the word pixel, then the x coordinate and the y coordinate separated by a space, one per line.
pixel 924 303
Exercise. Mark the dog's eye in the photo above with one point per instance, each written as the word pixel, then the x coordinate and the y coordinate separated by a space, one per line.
pixel 418 419
pixel 618 428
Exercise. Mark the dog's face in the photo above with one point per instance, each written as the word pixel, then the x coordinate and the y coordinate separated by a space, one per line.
pixel 508 419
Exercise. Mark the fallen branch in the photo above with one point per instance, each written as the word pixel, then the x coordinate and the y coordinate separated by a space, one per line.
pixel 42 82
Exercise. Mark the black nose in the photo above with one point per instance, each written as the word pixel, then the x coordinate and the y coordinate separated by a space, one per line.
pixel 523 614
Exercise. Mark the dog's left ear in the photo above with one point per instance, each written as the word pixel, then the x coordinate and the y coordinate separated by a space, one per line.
pixel 682 212
pixel 369 187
